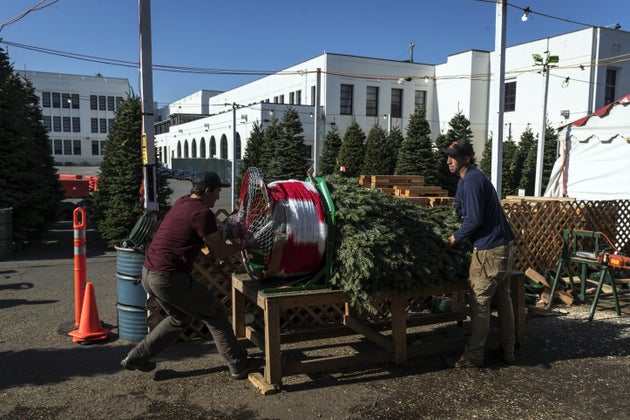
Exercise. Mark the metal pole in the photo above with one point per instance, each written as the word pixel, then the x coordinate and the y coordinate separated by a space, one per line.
pixel 317 122
pixel 499 83
pixel 540 152
pixel 146 95
pixel 233 180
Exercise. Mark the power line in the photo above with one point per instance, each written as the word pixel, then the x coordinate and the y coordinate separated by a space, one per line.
pixel 26 12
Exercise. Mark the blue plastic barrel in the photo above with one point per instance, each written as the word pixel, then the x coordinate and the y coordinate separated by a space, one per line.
pixel 131 296
pixel 132 323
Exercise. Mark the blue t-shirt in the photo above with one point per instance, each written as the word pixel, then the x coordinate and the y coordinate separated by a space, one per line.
pixel 484 221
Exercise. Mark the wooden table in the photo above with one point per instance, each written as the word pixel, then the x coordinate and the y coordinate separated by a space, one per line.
pixel 392 347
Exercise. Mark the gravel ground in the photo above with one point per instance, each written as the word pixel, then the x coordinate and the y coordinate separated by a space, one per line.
pixel 567 367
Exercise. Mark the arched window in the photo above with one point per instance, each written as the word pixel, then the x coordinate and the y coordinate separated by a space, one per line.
pixel 213 147
pixel 193 151
pixel 238 146
pixel 202 148
pixel 224 147
pixel 179 149
pixel 186 149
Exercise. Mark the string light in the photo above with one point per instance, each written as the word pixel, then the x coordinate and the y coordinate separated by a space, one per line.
pixel 525 14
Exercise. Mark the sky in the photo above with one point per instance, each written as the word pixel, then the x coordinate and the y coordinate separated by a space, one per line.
pixel 246 36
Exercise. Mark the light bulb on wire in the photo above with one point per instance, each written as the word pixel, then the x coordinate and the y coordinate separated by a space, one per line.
pixel 525 14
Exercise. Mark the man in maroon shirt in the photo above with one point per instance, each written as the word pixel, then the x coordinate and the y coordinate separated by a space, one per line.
pixel 166 275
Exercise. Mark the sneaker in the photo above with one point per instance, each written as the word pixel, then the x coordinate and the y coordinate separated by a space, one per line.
pixel 464 363
pixel 243 369
pixel 501 354
pixel 143 366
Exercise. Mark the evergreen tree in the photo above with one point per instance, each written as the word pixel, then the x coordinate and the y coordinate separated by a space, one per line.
pixel 296 160
pixel 117 204
pixel 253 150
pixel 268 149
pixel 416 151
pixel 28 178
pixel 332 143
pixel 485 165
pixel 526 172
pixel 377 156
pixel 283 151
pixel 352 150
pixel 460 130
pixel 394 141
pixel 509 176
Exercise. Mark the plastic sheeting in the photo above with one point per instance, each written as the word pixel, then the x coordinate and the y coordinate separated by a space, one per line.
pixel 594 162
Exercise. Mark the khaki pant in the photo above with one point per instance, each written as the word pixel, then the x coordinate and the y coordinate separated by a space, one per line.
pixel 489 277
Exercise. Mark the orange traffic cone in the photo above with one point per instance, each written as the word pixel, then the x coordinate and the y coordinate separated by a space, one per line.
pixel 90 326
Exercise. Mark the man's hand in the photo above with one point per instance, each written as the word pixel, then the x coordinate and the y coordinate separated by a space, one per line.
pixel 451 240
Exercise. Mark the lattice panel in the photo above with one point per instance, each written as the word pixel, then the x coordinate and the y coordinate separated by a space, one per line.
pixel 311 316
pixel 539 227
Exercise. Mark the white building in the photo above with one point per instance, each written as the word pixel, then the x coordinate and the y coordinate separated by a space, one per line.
pixel 78 112
pixel 374 91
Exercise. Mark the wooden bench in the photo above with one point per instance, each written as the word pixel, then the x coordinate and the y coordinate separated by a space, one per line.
pixel 391 347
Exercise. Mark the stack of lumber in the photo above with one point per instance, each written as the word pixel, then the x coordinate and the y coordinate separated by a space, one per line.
pixel 562 294
pixel 409 187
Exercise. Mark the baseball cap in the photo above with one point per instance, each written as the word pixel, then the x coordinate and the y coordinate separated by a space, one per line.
pixel 210 180
pixel 459 148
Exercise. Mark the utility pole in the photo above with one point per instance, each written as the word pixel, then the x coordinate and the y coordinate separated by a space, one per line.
pixel 317 122
pixel 233 179
pixel 146 94
pixel 499 87
pixel 547 63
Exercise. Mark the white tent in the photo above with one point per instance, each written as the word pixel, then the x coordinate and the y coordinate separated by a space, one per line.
pixel 594 162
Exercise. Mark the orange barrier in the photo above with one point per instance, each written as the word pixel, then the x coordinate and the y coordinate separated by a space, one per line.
pixel 90 327
pixel 79 226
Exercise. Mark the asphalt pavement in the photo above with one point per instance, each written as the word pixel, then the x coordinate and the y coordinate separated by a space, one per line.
pixel 567 368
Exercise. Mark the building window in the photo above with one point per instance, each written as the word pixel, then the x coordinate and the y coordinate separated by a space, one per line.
pixel 76 147
pixel 45 99
pixel 103 125
pixel 611 81
pixel 110 103
pixel 313 92
pixel 420 101
pixel 93 102
pixel 371 101
pixel 510 97
pixel 298 97
pixel 75 100
pixel 213 147
pixel 202 148
pixel 193 150
pixel 67 147
pixel 102 103
pixel 65 100
pixel 345 100
pixel 58 147
pixel 103 145
pixel 118 101
pixel 94 125
pixel 95 150
pixel 66 124
pixel 275 99
pixel 56 123
pixel 281 99
pixel 76 124
pixel 224 147
pixel 186 149
pixel 56 100
pixel 47 120
pixel 291 98
pixel 396 109
pixel 110 124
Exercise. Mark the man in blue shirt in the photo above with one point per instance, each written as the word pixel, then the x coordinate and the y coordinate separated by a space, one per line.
pixel 485 224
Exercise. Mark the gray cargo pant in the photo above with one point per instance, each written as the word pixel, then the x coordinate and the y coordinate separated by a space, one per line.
pixel 184 299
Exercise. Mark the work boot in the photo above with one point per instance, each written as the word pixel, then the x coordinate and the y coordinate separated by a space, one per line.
pixel 465 362
pixel 507 358
pixel 137 364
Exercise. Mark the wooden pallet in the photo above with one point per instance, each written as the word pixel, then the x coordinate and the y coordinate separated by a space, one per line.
pixel 409 187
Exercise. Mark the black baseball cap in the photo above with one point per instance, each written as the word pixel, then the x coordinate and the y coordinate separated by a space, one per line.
pixel 459 148
pixel 207 179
